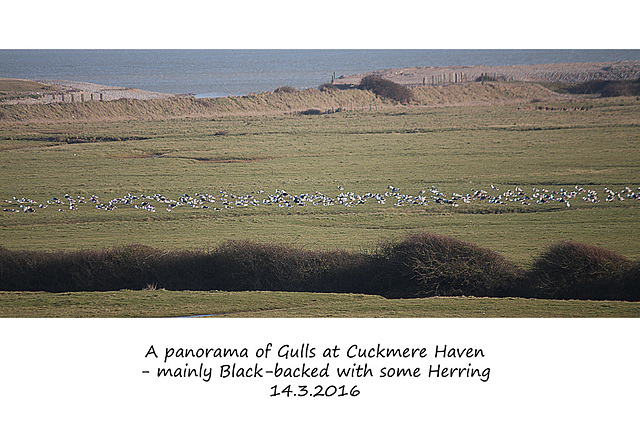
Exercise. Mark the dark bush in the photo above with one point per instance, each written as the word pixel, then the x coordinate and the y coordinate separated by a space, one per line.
pixel 621 88
pixel 328 87
pixel 126 267
pixel 631 283
pixel 234 265
pixel 607 88
pixel 490 78
pixel 386 89
pixel 186 270
pixel 250 265
pixel 424 265
pixel 570 270
pixel 421 265
pixel 247 265
pixel 311 112
pixel 286 89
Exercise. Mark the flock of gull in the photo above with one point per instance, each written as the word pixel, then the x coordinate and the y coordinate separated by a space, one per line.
pixel 282 199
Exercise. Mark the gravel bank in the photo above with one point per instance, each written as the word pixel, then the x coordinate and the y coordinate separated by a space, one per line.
pixel 72 91
pixel 566 73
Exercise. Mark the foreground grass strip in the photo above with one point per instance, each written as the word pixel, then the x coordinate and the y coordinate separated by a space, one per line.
pixel 163 303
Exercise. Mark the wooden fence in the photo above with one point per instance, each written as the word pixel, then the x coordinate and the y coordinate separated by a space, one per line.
pixel 74 97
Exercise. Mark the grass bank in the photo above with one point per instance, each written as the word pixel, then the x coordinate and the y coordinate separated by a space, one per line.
pixel 323 100
pixel 257 304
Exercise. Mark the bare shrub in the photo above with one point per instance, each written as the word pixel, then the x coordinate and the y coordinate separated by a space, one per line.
pixel 621 88
pixel 490 78
pixel 243 265
pixel 312 112
pixel 327 87
pixel 428 264
pixel 631 283
pixel 386 89
pixel 607 88
pixel 570 270
pixel 420 265
pixel 286 89
pixel 125 267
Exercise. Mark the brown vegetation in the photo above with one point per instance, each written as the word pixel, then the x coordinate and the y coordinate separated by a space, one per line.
pixel 420 265
pixel 283 100
pixel 570 270
pixel 387 89
pixel 607 88
pixel 423 265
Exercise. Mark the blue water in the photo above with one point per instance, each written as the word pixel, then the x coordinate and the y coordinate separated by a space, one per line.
pixel 239 72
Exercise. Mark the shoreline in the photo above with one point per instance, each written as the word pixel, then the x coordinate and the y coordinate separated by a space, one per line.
pixel 64 91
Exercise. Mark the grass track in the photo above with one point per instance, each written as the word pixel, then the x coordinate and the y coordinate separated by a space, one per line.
pixel 162 303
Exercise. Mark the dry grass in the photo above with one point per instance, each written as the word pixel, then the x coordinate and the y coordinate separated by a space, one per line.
pixel 260 304
pixel 15 88
pixel 280 101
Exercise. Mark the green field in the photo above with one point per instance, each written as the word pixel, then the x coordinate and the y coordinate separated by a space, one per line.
pixel 254 304
pixel 544 145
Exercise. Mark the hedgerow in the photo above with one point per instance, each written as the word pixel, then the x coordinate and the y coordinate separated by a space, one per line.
pixel 420 265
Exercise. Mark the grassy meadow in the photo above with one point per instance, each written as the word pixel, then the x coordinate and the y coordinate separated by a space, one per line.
pixel 257 304
pixel 540 144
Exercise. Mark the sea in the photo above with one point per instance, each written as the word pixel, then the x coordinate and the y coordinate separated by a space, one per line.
pixel 215 73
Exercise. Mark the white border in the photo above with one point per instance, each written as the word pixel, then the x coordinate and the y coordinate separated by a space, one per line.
pixel 543 372
pixel 468 24
pixel 77 372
